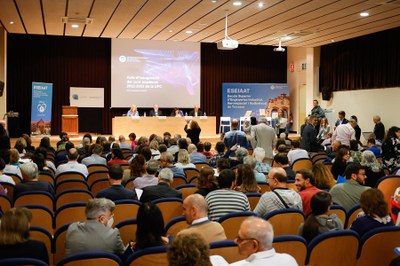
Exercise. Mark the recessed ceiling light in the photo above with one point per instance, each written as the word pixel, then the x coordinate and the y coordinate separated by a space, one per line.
pixel 189 32
pixel 364 14
pixel 237 3
pixel 213 1
pixel 261 4
pixel 11 22
pixel 170 31
pixel 75 26
pixel 332 40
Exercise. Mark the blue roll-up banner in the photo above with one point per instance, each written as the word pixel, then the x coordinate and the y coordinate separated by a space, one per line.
pixel 239 99
pixel 42 98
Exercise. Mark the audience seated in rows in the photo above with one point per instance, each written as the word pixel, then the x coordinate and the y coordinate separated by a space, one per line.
pixel 95 157
pixel 163 189
pixel 189 249
pixel 281 160
pixel 195 155
pixel 245 179
pixel 167 161
pixel 72 164
pixel 305 183
pixel 206 182
pixel 149 176
pixel 251 162
pixel 261 166
pixel 296 152
pixel 184 160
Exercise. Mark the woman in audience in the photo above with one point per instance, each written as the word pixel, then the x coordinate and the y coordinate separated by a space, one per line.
pixel 193 130
pixel 28 140
pixel 132 138
pixel 220 152
pixel 373 169
pixel 45 143
pixel 246 180
pixel 48 162
pixel 149 177
pixel 137 168
pixel 40 161
pixel 355 153
pixel 20 145
pixel 5 178
pixel 391 148
pixel 357 129
pixel 155 153
pixel 117 157
pixel 375 212
pixel 184 160
pixel 14 236
pixel 206 181
pixel 320 220
pixel 9 168
pixel 323 177
pixel 189 249
pixel 14 158
pixel 261 166
pixel 340 163
pixel 324 129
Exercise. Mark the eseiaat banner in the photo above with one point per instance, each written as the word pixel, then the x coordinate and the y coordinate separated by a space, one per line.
pixel 42 98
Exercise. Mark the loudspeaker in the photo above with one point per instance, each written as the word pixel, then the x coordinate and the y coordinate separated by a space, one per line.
pixel 326 93
pixel 1 88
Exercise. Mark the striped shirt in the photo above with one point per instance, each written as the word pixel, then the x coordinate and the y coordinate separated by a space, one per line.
pixel 270 202
pixel 221 202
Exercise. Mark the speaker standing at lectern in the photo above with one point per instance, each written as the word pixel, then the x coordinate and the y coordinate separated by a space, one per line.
pixel 133 111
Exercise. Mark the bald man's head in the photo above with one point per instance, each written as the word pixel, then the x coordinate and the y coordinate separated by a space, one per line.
pixel 195 207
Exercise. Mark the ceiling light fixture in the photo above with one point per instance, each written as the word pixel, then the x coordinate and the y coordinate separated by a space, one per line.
pixel 364 14
pixel 279 48
pixel 237 3
pixel 189 32
pixel 260 5
pixel 75 26
pixel 11 22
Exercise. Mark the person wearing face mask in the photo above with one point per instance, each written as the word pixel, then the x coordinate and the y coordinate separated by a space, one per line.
pixel 96 233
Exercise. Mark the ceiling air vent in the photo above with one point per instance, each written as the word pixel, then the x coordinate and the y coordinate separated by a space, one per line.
pixel 77 20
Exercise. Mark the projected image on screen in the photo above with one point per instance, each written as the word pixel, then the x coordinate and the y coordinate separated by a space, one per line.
pixel 149 72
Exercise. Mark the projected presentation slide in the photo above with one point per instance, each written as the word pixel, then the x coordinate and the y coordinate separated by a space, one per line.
pixel 145 73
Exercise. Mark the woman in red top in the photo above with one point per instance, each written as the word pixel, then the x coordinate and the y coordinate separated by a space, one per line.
pixel 117 158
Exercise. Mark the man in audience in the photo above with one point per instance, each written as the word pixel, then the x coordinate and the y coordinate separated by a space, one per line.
pixel 251 161
pixel 296 152
pixel 280 196
pixel 226 200
pixel 220 149
pixel 207 149
pixel 264 137
pixel 309 140
pixel 195 156
pixel 155 111
pixel 148 179
pixel 345 132
pixel 342 119
pixel 116 191
pixel 379 128
pixel 72 165
pixel 167 161
pixel 195 210
pixel 305 182
pixel 235 136
pixel 254 241
pixel 317 110
pixel 163 189
pixel 173 146
pixel 95 158
pixel 196 111
pixel 332 150
pixel 30 174
pixel 123 144
pixel 96 233
pixel 281 160
pixel 348 194
pixel 371 144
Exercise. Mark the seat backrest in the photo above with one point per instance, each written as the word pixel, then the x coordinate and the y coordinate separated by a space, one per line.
pixel 199 166
pixel 149 256
pixel 191 172
pixel 178 181
pixel 17 179
pixel 340 213
pixel 41 234
pixel 231 223
pixel 294 245
pixel 5 203
pixel 73 195
pixel 127 230
pixel 70 175
pixel 129 183
pixel 175 226
pixel 68 213
pixel 22 262
pixel 46 176
pixel 10 189
pixel 96 175
pixel 352 215
pixel 35 197
pixel 187 189
pixel 285 221
pixel 71 184
pixel 264 187
pixel 97 167
pixel 91 258
pixel 388 185
pixel 170 208
pixel 377 246
pixel 126 209
pixel 253 199
pixel 333 248
pixel 227 249
pixel 302 163
pixel 41 216
pixel 98 185
pixel 193 180
pixel 59 243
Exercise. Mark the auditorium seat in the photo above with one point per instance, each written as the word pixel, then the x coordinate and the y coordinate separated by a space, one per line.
pixel 40 234
pixel 10 189
pixel 388 185
pixel 224 123
pixel 149 256
pixel 191 172
pixel 175 225
pixel 253 199
pixel 96 175
pixel 227 249
pixel 91 258
pixel 352 215
pixel 5 203
pixel 73 195
pixel 35 197
pixel 170 208
pixel 97 167
pixel 59 243
pixel 71 184
pixel 68 213
pixel 126 209
pixel 231 222
pixel 294 245
pixel 70 175
pixel 187 189
pixel 41 216
pixel 285 221
pixel 302 163
pixel 340 213
pixel 178 181
pixel 127 230
pixel 99 185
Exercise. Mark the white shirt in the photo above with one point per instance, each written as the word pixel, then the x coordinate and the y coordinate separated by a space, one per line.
pixel 268 257
pixel 72 166
pixel 344 133
pixel 295 154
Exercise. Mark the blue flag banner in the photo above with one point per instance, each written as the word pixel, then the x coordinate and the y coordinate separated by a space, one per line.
pixel 255 98
pixel 42 98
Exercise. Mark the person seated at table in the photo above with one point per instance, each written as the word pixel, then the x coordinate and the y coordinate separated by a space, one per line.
pixel 176 112
pixel 155 111
pixel 196 111
pixel 133 111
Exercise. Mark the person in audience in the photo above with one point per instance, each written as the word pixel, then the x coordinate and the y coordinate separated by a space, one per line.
pixel 14 236
pixel 323 176
pixel 163 189
pixel 245 179
pixel 373 169
pixel 355 153
pixel 184 160
pixel 341 160
pixel 116 157
pixel 155 153
pixel 196 156
pixel 20 145
pixel 96 233
pixel 324 129
pixel 395 206
pixel 206 181
pixel 250 161
pixel 96 157
pixel 72 164
pixel 296 152
pixel 137 168
pixel 3 177
pixel 63 140
pixel 319 219
pixel 14 158
pixel 132 138
pixel 259 156
pixel 282 161
pixel 45 143
pixel 167 161
pixel 193 131
pixel 40 161
pixel 207 150
pixel 48 163
pixel 4 138
pixel 148 178
pixel 196 111
pixel 280 196
pixel 188 249
pixel 195 210
pixel 345 132
pixel 31 182
pixel 371 144
pixel 264 137
pixel 9 168
pixel 254 241
pixel 133 111
pixel 28 140
pixel 223 164
pixel 123 144
pixel 226 200
pixel 155 111
pixel 333 149
pixel 342 119
pixel 348 194
pixel 379 128
pixel 235 137
pixel 375 212
pixel 317 110
pixel 357 129
pixel 305 183
pixel 309 140
pixel 391 148
pixel 116 191
pixel 83 146
pixel 220 149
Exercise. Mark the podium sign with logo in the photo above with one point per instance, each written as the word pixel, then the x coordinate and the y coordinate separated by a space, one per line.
pixel 42 97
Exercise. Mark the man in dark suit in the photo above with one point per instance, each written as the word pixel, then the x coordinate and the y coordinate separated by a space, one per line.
pixel 163 189
pixel 342 119
pixel 309 136
pixel 196 111
pixel 155 111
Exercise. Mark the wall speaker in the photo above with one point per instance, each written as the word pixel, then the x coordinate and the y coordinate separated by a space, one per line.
pixel 326 93
pixel 1 88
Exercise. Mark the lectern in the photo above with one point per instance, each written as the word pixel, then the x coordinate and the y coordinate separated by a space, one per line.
pixel 70 122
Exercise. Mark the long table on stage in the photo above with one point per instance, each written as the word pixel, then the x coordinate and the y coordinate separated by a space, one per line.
pixel 145 126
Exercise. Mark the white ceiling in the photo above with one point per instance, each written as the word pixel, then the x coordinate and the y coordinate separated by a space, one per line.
pixel 310 23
